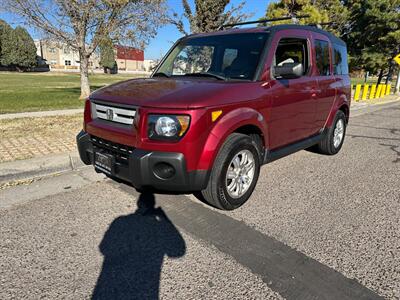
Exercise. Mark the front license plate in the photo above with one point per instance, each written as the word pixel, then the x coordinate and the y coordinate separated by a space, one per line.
pixel 103 162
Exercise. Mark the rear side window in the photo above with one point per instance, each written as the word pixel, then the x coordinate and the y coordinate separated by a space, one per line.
pixel 290 51
pixel 340 66
pixel 322 57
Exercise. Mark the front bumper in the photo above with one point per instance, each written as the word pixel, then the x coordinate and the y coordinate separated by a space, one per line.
pixel 137 166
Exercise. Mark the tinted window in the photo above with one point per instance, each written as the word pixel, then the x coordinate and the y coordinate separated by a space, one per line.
pixel 322 57
pixel 292 50
pixel 232 56
pixel 340 66
pixel 229 56
pixel 193 59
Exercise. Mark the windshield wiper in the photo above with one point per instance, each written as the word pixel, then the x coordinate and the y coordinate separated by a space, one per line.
pixel 161 74
pixel 206 74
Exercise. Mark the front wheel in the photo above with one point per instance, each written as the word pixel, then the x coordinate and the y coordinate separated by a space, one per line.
pixel 334 138
pixel 235 173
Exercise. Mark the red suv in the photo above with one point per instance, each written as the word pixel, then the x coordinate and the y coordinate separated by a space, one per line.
pixel 219 106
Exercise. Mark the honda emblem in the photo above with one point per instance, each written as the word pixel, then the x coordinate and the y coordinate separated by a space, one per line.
pixel 109 114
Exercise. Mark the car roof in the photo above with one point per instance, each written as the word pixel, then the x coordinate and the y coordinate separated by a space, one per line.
pixel 272 29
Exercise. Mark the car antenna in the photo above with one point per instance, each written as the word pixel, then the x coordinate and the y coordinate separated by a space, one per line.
pixel 294 18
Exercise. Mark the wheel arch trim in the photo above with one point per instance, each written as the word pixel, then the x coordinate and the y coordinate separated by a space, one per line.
pixel 226 125
pixel 341 103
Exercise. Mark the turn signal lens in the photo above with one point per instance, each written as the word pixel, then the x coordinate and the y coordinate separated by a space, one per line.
pixel 215 115
pixel 184 122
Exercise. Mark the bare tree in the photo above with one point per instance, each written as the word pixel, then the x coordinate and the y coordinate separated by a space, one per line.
pixel 83 24
pixel 209 15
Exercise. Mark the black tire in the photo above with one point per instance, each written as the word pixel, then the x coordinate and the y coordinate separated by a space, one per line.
pixel 326 145
pixel 216 193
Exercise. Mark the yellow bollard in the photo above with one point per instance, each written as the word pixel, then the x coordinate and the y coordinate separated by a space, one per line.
pixel 388 89
pixel 378 91
pixel 365 92
pixel 383 91
pixel 357 92
pixel 372 93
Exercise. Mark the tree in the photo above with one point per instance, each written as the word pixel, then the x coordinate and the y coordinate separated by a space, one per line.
pixel 374 33
pixel 83 24
pixel 107 54
pixel 209 16
pixel 296 8
pixel 5 39
pixel 338 16
pixel 19 49
pixel 319 12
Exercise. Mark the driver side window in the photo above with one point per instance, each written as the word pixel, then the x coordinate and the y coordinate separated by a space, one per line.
pixel 292 51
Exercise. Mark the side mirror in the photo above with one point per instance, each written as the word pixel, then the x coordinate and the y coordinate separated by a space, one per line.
pixel 289 70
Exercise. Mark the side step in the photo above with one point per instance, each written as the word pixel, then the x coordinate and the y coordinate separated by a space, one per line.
pixel 273 155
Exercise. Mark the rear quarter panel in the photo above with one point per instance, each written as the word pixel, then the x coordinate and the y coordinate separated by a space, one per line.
pixel 342 98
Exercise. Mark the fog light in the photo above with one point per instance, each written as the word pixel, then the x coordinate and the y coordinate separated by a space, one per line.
pixel 164 170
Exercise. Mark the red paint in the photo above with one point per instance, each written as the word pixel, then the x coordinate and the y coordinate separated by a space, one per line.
pixel 284 111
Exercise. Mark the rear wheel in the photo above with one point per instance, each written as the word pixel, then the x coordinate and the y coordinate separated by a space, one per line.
pixel 334 138
pixel 235 172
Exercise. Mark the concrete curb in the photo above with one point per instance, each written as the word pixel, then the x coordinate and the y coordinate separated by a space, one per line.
pixel 22 170
pixel 364 108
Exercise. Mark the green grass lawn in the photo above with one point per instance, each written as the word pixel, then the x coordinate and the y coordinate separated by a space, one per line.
pixel 371 80
pixel 20 92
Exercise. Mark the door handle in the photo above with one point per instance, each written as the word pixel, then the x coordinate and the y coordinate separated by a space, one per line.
pixel 314 92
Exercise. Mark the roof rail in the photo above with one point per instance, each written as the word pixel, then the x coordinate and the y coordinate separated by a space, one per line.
pixel 293 18
pixel 319 25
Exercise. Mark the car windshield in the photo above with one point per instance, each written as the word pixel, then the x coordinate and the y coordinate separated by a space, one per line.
pixel 221 57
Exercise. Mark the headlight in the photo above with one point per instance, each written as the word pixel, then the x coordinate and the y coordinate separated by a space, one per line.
pixel 167 127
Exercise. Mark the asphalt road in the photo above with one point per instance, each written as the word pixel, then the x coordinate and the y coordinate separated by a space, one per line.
pixel 317 227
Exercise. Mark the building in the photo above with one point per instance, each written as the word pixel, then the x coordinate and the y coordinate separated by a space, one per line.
pixel 150 64
pixel 60 56
pixel 129 58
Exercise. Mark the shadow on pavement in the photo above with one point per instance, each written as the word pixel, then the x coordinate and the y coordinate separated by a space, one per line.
pixel 285 270
pixel 134 247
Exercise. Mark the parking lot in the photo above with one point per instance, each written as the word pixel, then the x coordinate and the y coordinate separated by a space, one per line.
pixel 316 227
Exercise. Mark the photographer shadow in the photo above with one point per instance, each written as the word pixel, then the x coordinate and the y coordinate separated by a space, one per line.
pixel 134 247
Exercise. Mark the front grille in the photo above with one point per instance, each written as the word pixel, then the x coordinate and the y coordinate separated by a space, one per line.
pixel 113 113
pixel 119 151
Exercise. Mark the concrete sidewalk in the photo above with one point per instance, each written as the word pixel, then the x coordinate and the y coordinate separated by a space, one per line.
pixel 39 114
pixel 363 107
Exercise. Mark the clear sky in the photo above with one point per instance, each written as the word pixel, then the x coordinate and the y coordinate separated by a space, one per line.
pixel 168 34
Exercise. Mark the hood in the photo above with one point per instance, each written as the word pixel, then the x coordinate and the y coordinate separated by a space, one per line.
pixel 170 93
